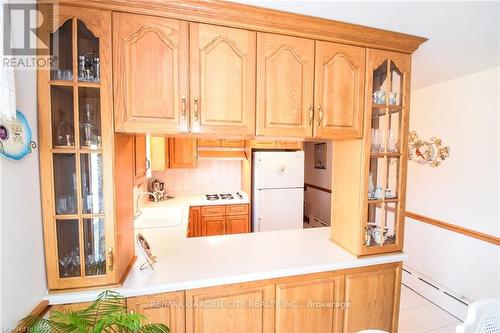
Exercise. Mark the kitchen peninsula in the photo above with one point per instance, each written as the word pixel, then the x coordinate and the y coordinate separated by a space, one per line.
pixel 165 85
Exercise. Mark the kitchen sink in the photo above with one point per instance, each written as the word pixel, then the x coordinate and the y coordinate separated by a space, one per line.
pixel 159 217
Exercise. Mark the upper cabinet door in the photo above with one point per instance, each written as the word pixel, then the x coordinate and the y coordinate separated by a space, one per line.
pixel 150 65
pixel 285 76
pixel 222 79
pixel 339 91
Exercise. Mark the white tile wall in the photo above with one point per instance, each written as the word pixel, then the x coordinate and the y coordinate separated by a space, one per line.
pixel 209 176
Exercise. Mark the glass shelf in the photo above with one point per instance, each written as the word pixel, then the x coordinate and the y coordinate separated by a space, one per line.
pixel 384 156
pixel 77 153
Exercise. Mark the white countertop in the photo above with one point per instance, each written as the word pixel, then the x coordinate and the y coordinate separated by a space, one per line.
pixel 187 263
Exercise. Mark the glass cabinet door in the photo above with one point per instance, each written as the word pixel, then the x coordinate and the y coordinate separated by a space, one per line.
pixel 385 153
pixel 78 167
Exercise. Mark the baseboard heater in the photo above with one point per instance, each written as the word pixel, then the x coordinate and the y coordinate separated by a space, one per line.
pixel 446 299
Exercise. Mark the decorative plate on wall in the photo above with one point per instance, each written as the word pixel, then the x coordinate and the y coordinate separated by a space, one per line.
pixel 15 137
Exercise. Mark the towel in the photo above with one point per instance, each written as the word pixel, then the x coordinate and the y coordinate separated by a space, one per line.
pixel 7 83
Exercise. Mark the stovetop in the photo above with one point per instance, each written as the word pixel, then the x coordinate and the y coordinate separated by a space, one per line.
pixel 223 197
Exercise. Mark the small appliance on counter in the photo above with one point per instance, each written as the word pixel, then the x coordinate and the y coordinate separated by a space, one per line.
pixel 158 191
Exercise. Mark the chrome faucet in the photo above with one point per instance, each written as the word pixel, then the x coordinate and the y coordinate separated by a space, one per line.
pixel 138 211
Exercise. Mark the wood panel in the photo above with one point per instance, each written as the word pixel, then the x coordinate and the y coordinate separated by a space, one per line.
pixel 150 64
pixel 140 159
pixel 209 143
pixel 213 225
pixel 222 79
pixel 183 153
pixel 234 143
pixel 373 299
pixel 167 308
pixel 339 91
pixel 124 202
pixel 308 305
pixel 237 224
pixel 285 77
pixel 231 308
pixel 195 228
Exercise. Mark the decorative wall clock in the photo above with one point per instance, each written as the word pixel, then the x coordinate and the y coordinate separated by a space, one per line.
pixel 16 137
pixel 423 152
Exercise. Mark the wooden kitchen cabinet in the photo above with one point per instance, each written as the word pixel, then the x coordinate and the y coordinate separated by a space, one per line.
pixel 285 83
pixel 194 224
pixel 219 143
pixel 237 224
pixel 167 308
pixel 244 307
pixel 222 79
pixel 183 153
pixel 303 316
pixel 373 298
pixel 213 225
pixel 339 91
pixel 151 66
pixel 141 162
pixel 86 170
pixel 219 220
pixel 271 144
pixel 377 223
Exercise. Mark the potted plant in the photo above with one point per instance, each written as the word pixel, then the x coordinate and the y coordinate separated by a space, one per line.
pixel 108 313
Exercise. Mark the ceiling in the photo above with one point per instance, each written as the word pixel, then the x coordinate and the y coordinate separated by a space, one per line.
pixel 464 36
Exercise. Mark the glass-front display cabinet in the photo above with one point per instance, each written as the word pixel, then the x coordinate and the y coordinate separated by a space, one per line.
pixel 77 149
pixel 386 135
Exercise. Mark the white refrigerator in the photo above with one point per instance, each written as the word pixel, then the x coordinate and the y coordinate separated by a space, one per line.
pixel 278 191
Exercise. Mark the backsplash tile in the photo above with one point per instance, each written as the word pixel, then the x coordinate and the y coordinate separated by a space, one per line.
pixel 210 176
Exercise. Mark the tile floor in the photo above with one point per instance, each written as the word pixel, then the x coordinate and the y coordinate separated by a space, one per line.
pixel 418 315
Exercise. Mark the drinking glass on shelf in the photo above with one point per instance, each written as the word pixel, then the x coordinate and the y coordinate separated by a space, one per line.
pixel 65 262
pixel 377 143
pixel 392 144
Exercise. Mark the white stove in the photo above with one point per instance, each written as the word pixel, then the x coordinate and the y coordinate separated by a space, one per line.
pixel 225 198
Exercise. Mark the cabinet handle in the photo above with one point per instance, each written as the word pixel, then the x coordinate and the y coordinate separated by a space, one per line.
pixel 311 113
pixel 183 107
pixel 320 116
pixel 148 164
pixel 111 263
pixel 196 109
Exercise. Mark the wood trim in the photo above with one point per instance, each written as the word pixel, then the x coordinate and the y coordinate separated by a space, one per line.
pixel 262 20
pixel 40 310
pixel 319 188
pixel 461 230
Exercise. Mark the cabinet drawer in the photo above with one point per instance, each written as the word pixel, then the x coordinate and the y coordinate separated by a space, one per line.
pixel 213 211
pixel 237 210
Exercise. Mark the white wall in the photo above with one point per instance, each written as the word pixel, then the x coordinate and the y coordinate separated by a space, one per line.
pixel 318 203
pixel 464 190
pixel 23 281
pixel 22 264
pixel 209 176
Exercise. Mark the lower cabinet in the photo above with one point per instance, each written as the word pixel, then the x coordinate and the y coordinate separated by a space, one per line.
pixel 246 307
pixel 309 305
pixel 218 220
pixel 348 301
pixel 167 308
pixel 373 298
